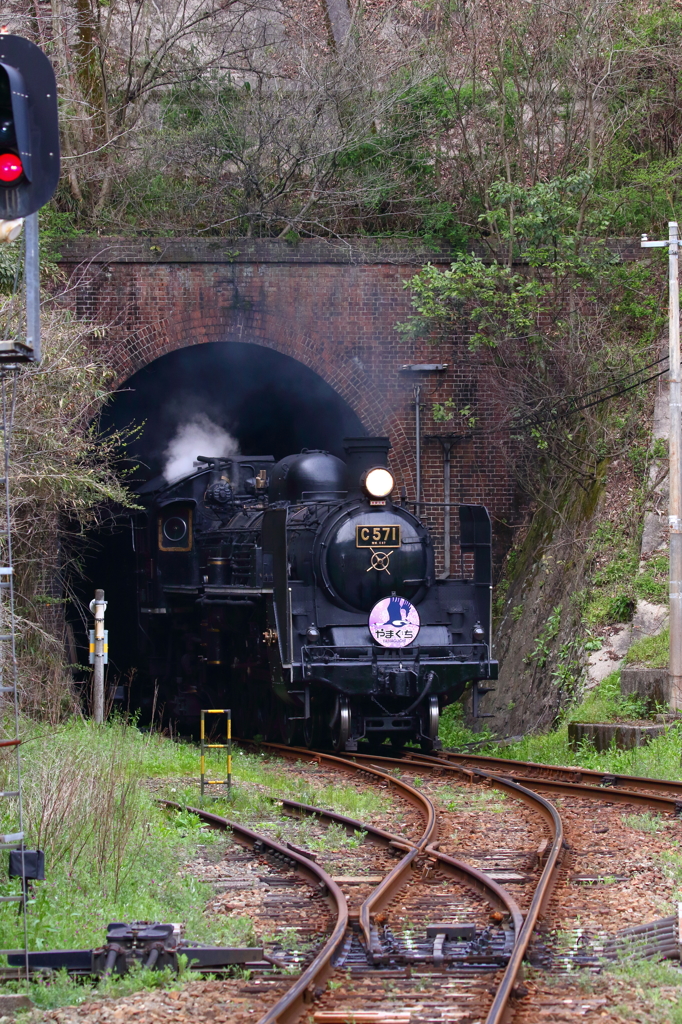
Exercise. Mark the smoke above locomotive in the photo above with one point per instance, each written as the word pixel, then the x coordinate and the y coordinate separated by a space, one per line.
pixel 302 595
pixel 196 434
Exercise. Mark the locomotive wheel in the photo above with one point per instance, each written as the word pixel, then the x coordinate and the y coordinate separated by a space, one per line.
pixel 430 725
pixel 342 724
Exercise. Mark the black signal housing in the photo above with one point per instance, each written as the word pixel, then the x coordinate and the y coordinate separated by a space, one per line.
pixel 29 128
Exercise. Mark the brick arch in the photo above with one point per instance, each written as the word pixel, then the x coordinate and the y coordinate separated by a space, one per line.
pixel 337 368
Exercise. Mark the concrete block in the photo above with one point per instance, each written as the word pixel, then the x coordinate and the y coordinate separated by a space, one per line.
pixel 603 734
pixel 655 533
pixel 9 1004
pixel 652 684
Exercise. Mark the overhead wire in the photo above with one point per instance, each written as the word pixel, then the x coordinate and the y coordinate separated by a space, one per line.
pixel 570 408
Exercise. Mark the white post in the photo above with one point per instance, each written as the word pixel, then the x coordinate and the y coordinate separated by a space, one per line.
pixel 674 453
pixel 675 504
pixel 97 606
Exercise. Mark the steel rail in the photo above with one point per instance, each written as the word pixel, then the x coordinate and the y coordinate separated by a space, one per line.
pixel 471 876
pixel 417 799
pixel 548 878
pixel 573 775
pixel 291 1005
pixel 384 892
pixel 543 890
pixel 558 787
pixel 563 787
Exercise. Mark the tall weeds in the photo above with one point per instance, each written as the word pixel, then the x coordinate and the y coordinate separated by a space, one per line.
pixel 82 802
pixel 62 476
pixel 110 853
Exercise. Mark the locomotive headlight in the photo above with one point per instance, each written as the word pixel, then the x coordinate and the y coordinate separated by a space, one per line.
pixel 379 482
pixel 478 634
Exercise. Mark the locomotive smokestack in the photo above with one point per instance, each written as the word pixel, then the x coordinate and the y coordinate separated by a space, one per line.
pixel 363 453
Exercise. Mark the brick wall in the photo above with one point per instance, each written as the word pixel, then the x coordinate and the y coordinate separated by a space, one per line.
pixel 332 306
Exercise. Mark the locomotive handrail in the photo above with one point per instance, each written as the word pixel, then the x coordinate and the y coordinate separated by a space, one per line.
pixel 350 653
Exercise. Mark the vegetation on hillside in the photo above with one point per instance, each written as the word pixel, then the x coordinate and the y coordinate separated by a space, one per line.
pixel 242 118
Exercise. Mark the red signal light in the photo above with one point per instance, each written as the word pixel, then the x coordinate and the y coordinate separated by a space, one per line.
pixel 11 168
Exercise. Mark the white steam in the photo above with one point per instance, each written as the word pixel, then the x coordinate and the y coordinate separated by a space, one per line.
pixel 198 436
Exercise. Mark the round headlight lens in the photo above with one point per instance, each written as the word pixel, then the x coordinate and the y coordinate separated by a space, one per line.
pixel 175 529
pixel 379 483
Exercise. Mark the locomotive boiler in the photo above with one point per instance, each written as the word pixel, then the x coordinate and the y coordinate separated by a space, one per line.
pixel 302 595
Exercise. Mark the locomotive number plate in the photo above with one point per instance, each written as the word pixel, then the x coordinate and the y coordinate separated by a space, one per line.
pixel 377 536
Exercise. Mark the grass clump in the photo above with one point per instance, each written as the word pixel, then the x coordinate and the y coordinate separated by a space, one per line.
pixel 645 822
pixel 491 800
pixel 454 733
pixel 659 759
pixel 619 584
pixel 59 989
pixel 112 854
pixel 657 995
pixel 606 703
pixel 650 651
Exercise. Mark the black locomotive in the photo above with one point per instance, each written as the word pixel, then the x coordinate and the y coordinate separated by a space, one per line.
pixel 302 596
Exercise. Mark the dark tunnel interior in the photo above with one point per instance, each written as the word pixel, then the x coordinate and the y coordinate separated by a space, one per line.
pixel 268 402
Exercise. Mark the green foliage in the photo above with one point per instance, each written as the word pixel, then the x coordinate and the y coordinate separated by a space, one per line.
pixel 110 853
pixel 62 474
pixel 605 703
pixel 620 607
pixel 651 651
pixel 59 989
pixel 444 412
pixel 497 301
pixel 10 257
pixel 659 759
pixel 543 642
pixel 645 822
pixel 453 732
pixel 619 583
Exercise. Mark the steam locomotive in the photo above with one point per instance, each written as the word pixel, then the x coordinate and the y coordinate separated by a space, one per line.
pixel 303 597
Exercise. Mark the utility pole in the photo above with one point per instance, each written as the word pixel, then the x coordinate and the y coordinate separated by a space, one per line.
pixel 675 474
pixel 97 607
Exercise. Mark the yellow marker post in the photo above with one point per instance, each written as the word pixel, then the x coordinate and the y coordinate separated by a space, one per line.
pixel 216 746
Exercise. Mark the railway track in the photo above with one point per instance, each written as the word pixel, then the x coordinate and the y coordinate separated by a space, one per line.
pixel 483 956
pixel 460 956
pixel 563 780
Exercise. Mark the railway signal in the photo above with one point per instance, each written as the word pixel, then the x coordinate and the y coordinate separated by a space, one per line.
pixel 29 128
pixel 29 170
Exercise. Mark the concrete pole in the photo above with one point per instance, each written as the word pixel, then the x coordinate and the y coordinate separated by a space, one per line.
pixel 32 279
pixel 675 506
pixel 98 605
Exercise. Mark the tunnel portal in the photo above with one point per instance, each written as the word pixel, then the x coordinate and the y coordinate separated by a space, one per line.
pixel 267 402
